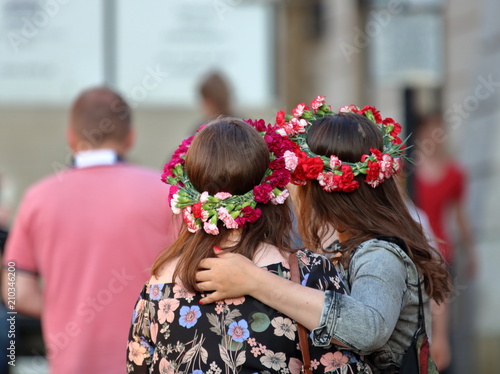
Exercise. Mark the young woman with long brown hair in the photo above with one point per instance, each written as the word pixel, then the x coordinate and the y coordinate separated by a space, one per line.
pixel 343 165
pixel 228 184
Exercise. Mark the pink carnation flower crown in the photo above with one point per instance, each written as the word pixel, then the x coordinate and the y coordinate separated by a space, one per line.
pixel 332 173
pixel 201 211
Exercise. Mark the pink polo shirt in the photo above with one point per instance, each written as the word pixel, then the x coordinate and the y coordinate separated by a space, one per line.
pixel 91 234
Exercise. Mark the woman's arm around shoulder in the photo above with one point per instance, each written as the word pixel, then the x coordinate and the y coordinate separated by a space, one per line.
pixel 231 275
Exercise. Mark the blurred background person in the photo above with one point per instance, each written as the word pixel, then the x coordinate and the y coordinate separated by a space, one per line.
pixel 440 348
pixel 215 95
pixel 439 191
pixel 215 98
pixel 84 238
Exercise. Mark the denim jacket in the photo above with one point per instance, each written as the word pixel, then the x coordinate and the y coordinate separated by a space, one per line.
pixel 379 317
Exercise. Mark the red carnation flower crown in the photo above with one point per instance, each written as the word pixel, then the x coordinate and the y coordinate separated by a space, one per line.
pixel 200 210
pixel 332 173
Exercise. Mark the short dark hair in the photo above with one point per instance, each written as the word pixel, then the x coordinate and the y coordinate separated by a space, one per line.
pixel 100 114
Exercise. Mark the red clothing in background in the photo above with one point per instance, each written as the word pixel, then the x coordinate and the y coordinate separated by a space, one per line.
pixel 435 197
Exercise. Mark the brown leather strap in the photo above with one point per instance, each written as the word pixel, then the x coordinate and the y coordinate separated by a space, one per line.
pixel 303 337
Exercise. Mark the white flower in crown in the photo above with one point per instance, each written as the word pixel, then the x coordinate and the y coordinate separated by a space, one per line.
pixel 302 125
pixel 386 166
pixel 298 125
pixel 204 215
pixel 299 110
pixel 348 108
pixel 288 128
pixel 189 219
pixel 327 181
pixel 374 183
pixel 204 197
pixel 281 131
pixel 318 102
pixel 397 164
pixel 335 162
pixel 173 203
pixel 294 126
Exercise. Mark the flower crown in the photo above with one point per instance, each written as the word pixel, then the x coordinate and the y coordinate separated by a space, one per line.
pixel 200 210
pixel 332 173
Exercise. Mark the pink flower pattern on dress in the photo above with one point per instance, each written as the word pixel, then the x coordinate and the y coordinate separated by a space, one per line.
pixel 136 353
pixel 181 293
pixel 166 310
pixel 235 301
pixel 166 367
pixel 333 361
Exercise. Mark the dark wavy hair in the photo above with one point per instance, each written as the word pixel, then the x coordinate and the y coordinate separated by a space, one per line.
pixel 366 212
pixel 227 156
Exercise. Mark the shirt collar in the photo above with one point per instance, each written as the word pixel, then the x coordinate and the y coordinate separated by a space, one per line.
pixel 96 157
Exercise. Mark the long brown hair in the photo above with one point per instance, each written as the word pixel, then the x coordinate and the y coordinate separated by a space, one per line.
pixel 230 156
pixel 366 212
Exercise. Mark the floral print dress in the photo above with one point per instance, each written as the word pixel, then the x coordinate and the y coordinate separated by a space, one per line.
pixel 172 333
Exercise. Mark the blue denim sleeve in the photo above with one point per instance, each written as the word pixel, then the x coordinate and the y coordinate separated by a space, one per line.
pixel 365 319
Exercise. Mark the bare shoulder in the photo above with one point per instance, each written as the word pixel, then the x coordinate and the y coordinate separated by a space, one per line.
pixel 268 254
pixel 165 274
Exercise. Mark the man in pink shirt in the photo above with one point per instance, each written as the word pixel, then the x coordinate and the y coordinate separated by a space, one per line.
pixel 84 239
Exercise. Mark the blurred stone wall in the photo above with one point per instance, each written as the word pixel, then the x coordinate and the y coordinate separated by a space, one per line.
pixel 472 103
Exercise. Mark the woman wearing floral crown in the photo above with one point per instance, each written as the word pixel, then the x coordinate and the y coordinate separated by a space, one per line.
pixel 344 165
pixel 228 183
